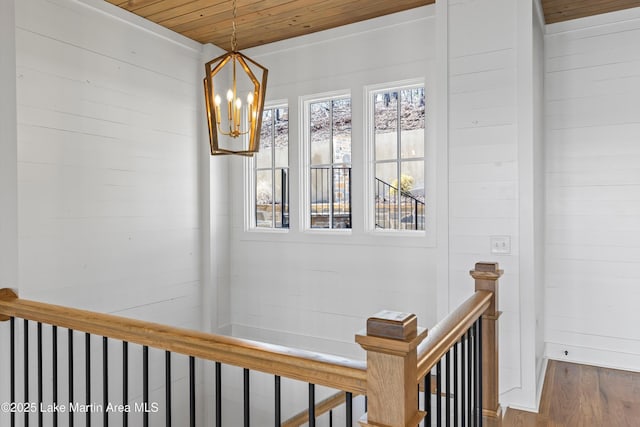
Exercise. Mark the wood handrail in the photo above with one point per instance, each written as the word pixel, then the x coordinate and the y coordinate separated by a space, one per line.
pixel 449 330
pixel 321 407
pixel 322 369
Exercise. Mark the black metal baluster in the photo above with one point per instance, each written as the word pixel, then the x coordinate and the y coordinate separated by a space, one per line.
pixel 192 391
pixel 469 377
pixel 475 375
pixel 349 403
pixel 331 418
pixel 447 388
pixel 125 382
pixel 39 374
pixel 278 408
pixel 70 359
pixel 218 394
pixel 13 369
pixel 145 385
pixel 105 381
pixel 455 385
pixel 26 370
pixel 479 362
pixel 87 373
pixel 167 387
pixel 427 399
pixel 463 369
pixel 54 371
pixel 247 407
pixel 312 405
pixel 439 393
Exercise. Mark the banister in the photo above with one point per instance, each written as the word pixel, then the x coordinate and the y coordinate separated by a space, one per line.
pixel 398 353
pixel 449 330
pixel 322 369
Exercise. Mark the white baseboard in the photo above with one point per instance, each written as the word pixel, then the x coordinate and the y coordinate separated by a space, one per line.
pixel 541 373
pixel 593 356
pixel 510 398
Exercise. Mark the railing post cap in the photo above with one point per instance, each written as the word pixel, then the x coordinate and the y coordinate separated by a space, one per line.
pixel 393 325
pixel 486 270
pixel 392 332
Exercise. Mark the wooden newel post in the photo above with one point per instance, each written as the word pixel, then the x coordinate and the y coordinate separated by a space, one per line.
pixel 392 363
pixel 486 275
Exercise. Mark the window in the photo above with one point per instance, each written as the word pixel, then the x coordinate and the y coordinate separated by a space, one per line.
pixel 271 167
pixel 398 118
pixel 329 150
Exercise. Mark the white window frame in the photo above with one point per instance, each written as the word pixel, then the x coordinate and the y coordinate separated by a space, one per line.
pixel 250 183
pixel 305 160
pixel 370 164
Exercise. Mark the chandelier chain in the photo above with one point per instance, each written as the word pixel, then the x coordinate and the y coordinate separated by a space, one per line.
pixel 234 40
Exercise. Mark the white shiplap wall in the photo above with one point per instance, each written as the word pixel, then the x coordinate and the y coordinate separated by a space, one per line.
pixel 538 29
pixel 109 178
pixel 483 159
pixel 8 171
pixel 592 118
pixel 107 144
pixel 315 290
pixel 8 151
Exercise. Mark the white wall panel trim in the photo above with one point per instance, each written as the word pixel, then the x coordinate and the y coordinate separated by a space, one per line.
pixel 593 356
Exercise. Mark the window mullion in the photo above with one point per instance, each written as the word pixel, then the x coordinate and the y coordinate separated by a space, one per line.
pixel 331 165
pixel 255 193
pixel 399 157
pixel 273 170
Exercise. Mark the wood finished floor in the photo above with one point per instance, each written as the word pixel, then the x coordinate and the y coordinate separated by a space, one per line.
pixel 583 396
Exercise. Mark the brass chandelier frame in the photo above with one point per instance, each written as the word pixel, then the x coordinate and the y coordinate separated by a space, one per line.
pixel 235 120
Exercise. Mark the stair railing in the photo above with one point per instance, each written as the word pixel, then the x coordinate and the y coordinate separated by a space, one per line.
pixel 459 355
pixel 458 361
pixel 397 208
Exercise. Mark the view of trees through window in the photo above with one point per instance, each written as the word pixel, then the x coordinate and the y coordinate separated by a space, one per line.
pixel 330 163
pixel 272 170
pixel 399 122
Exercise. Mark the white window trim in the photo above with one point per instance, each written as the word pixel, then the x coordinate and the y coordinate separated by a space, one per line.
pixel 305 160
pixel 369 155
pixel 250 185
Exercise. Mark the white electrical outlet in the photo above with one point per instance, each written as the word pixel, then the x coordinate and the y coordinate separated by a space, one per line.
pixel 500 245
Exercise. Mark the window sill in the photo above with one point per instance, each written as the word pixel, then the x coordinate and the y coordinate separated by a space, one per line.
pixel 329 231
pixel 266 230
pixel 399 233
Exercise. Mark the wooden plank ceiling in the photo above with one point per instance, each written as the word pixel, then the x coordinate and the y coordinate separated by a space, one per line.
pixel 565 10
pixel 265 21
pixel 259 21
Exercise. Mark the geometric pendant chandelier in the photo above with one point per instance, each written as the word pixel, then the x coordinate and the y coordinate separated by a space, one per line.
pixel 234 89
